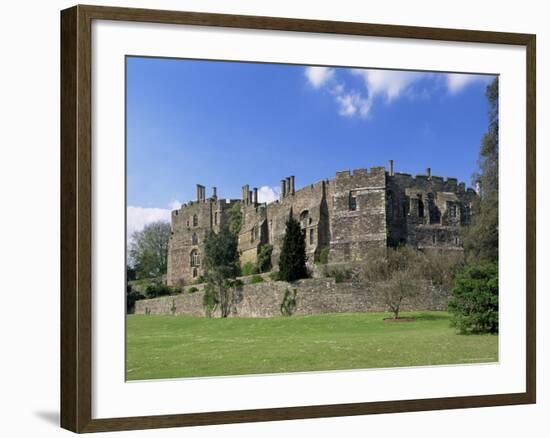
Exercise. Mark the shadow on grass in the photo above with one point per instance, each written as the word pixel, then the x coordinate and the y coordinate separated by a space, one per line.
pixel 432 317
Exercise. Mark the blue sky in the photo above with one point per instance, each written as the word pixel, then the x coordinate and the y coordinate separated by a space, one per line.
pixel 227 124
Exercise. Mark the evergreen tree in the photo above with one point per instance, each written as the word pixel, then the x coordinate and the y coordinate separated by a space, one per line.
pixel 292 262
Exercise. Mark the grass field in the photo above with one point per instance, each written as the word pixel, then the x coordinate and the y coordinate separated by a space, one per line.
pixel 178 346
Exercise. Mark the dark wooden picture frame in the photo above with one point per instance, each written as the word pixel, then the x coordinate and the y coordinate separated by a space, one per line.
pixel 76 218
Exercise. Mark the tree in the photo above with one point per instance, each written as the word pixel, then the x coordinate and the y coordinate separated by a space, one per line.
pixel 399 274
pixel 149 250
pixel 235 220
pixel 474 305
pixel 481 238
pixel 292 261
pixel 264 258
pixel 221 266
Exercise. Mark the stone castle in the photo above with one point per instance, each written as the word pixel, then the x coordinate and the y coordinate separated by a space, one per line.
pixel 349 215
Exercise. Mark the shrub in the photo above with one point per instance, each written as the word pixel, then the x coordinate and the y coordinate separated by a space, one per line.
pixel 474 305
pixel 256 279
pixel 323 255
pixel 248 269
pixel 288 306
pixel 264 258
pixel 274 276
pixel 340 275
pixel 131 298
pixel 199 280
pixel 154 290
pixel 399 274
pixel 440 267
pixel 192 290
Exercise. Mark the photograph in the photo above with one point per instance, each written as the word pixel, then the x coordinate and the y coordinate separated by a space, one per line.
pixel 287 218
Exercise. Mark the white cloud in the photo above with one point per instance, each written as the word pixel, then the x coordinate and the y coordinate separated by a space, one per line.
pixel 175 205
pixel 351 104
pixel 456 82
pixel 387 83
pixel 318 76
pixel 268 194
pixel 138 217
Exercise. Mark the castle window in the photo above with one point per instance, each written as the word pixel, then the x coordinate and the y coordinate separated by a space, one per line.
pixel 352 202
pixel 310 221
pixel 311 237
pixel 434 240
pixel 195 272
pixel 194 239
pixel 456 241
pixel 452 210
pixel 187 222
pixel 195 258
pixel 216 218
pixel 195 220
pixel 420 206
pixel 253 234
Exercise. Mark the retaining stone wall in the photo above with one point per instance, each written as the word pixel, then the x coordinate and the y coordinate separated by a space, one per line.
pixel 314 296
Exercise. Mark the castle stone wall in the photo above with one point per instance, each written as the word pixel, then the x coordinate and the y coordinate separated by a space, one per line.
pixel 313 296
pixel 350 214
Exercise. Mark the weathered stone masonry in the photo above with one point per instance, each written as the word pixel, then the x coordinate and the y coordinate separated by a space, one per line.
pixel 314 296
pixel 349 214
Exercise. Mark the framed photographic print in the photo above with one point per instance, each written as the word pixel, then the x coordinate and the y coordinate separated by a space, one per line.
pixel 304 218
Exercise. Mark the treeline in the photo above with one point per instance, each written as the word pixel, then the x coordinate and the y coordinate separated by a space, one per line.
pixel 474 305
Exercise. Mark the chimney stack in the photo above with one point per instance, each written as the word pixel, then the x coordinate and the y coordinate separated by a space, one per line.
pixel 200 193
pixel 283 189
pixel 255 196
pixel 428 172
pixel 390 167
pixel 245 194
pixel 292 185
pixel 287 185
pixel 214 192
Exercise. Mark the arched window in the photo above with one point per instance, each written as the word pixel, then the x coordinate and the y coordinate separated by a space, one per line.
pixel 195 258
pixel 195 220
pixel 195 239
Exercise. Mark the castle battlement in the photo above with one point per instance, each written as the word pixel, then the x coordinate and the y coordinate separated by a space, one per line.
pixel 349 214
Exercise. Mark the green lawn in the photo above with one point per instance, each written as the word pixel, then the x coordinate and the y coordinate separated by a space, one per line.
pixel 179 346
